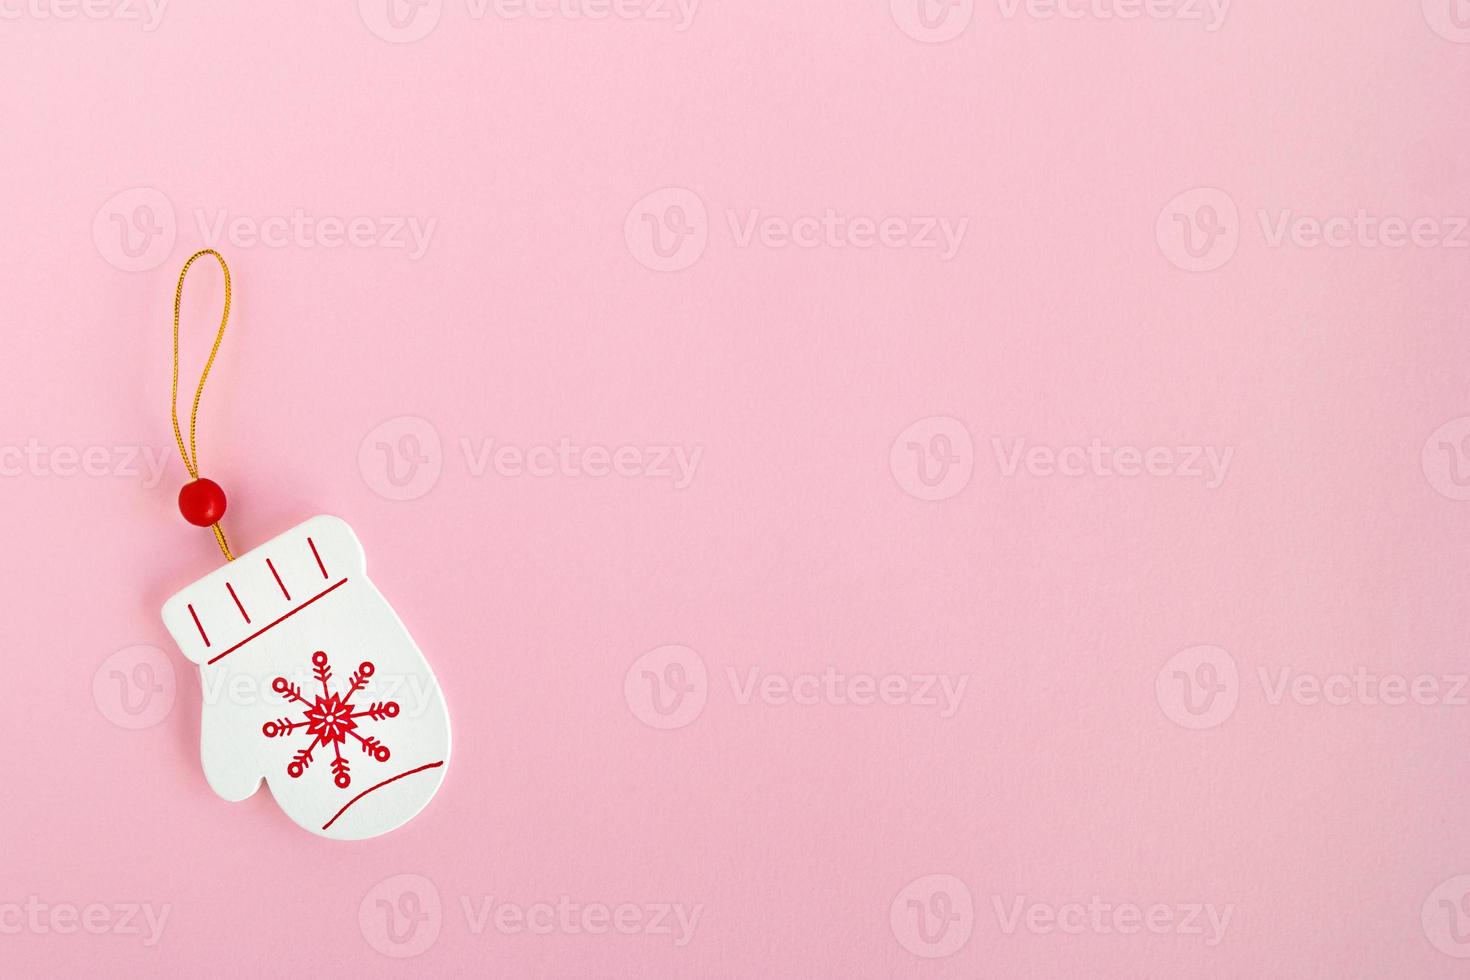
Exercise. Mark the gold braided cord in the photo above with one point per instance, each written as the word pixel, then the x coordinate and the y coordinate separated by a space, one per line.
pixel 219 536
pixel 191 454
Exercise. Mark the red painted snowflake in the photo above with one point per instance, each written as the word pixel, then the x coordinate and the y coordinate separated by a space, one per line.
pixel 330 718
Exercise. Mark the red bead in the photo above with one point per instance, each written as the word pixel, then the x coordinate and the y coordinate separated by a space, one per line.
pixel 202 502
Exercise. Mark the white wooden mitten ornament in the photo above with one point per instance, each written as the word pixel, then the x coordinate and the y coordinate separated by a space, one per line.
pixel 310 680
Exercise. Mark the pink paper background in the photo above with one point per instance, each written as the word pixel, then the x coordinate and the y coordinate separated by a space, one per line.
pixel 1333 831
